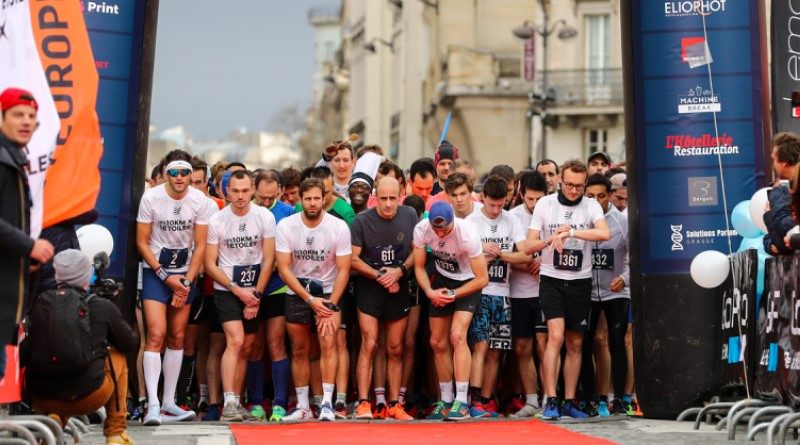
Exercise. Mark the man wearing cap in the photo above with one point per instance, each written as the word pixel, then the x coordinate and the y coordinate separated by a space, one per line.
pixel 446 153
pixel 454 292
pixel 598 162
pixel 18 123
pixel 105 381
pixel 360 190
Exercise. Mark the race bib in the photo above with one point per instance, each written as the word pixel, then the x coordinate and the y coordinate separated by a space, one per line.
pixel 603 259
pixel 498 271
pixel 448 265
pixel 387 255
pixel 568 259
pixel 173 258
pixel 312 286
pixel 246 276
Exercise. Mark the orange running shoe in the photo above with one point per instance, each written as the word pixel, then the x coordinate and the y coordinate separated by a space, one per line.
pixel 397 412
pixel 380 411
pixel 363 411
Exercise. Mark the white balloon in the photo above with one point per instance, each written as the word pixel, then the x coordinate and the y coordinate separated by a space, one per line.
pixel 710 268
pixel 93 239
pixel 757 204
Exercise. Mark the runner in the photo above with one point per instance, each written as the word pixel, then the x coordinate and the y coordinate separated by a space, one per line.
pixel 173 218
pixel 239 257
pixel 549 169
pixel 562 227
pixel 382 240
pixel 454 293
pixel 313 255
pixel 459 188
pixel 527 320
pixel 490 331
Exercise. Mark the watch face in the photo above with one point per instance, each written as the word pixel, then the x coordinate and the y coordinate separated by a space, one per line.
pixel 451 293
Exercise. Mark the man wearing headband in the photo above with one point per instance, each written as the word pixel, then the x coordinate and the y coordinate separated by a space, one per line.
pixel 171 237
pixel 18 123
pixel 454 292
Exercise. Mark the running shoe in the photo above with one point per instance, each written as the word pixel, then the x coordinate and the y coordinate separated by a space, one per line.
pixel 617 408
pixel 212 413
pixel 231 413
pixel 602 409
pixel 525 411
pixel 589 408
pixel 491 407
pixel 636 410
pixel 551 411
pixel 478 410
pixel 277 413
pixel 202 406
pixel 569 409
pixel 458 411
pixel 153 416
pixel 341 410
pixel 412 409
pixel 326 413
pixel 173 413
pixel 363 411
pixel 397 412
pixel 440 410
pixel 514 405
pixel 257 413
pixel 298 414
pixel 120 439
pixel 315 410
pixel 380 411
pixel 627 404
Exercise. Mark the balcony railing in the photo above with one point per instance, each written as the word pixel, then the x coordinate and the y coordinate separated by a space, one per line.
pixel 586 87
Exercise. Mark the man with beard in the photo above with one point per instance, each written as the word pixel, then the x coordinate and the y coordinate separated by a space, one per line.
pixel 313 255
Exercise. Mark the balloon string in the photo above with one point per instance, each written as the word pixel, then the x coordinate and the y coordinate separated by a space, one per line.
pixel 706 54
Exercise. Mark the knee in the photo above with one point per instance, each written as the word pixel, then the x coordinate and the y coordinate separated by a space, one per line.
pixel 300 351
pixel 409 343
pixel 439 344
pixel 276 347
pixel 236 344
pixel 458 339
pixel 394 350
pixel 175 340
pixel 555 338
pixel 155 340
pixel 368 344
pixel 600 340
pixel 523 350
pixel 574 343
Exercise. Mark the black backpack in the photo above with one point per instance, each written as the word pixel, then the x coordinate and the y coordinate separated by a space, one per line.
pixel 60 333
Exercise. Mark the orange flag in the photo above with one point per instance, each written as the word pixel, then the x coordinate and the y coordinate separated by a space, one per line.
pixel 73 177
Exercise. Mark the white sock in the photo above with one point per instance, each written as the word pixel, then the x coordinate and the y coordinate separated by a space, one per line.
pixel 402 398
pixel 172 370
pixel 238 399
pixel 228 397
pixel 447 391
pixel 204 392
pixel 327 393
pixel 151 362
pixel 302 397
pixel 461 391
pixel 610 397
pixel 380 396
pixel 532 400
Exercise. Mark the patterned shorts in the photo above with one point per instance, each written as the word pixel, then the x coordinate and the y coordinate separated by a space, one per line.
pixel 492 323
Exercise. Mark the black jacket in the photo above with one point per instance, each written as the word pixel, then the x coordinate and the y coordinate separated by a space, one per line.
pixel 108 329
pixel 15 241
pixel 778 220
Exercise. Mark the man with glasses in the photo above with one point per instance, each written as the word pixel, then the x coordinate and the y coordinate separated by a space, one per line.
pixel 563 227
pixel 454 292
pixel 171 237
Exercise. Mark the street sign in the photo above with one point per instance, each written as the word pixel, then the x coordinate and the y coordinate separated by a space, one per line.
pixel 529 59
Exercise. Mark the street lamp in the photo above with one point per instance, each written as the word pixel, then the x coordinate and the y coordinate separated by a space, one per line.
pixel 525 32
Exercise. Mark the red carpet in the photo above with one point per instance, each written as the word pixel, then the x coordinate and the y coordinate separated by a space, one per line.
pixel 493 432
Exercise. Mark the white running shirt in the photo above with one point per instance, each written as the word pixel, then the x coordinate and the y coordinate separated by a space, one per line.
pixel 576 261
pixel 314 251
pixel 240 240
pixel 523 285
pixel 172 225
pixel 453 252
pixel 506 232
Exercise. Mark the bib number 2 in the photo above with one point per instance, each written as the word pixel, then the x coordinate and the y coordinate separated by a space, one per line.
pixel 173 258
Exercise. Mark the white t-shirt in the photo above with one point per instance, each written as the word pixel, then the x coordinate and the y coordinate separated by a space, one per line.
pixel 342 190
pixel 172 225
pixel 240 240
pixel 506 232
pixel 476 209
pixel 523 285
pixel 576 260
pixel 453 252
pixel 314 251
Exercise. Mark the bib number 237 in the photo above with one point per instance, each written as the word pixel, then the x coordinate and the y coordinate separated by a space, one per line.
pixel 568 259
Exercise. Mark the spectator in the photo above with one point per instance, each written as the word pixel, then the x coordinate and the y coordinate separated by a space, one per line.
pixel 104 382
pixel 778 215
pixel 20 251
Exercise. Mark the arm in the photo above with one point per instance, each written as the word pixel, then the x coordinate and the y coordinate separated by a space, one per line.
pixel 200 237
pixel 267 263
pixel 216 274
pixel 343 275
pixel 14 241
pixel 516 257
pixel 481 280
pixel 600 232
pixel 360 266
pixel 143 246
pixel 423 280
pixel 534 243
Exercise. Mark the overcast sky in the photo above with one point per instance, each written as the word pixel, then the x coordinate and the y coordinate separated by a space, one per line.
pixel 221 65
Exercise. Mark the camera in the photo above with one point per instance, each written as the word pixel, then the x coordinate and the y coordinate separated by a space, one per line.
pixel 103 286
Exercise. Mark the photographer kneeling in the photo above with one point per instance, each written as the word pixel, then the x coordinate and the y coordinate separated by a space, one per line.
pixel 76 361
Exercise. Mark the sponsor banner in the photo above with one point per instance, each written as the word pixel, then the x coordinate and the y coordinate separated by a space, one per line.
pixel 677 152
pixel 771 322
pixel 785 59
pixel 737 335
pixel 790 335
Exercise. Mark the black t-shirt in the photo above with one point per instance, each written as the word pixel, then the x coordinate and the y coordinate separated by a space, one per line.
pixel 384 243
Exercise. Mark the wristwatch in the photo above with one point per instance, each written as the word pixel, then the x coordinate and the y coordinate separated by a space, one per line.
pixel 404 269
pixel 186 282
pixel 258 294
pixel 162 274
pixel 451 293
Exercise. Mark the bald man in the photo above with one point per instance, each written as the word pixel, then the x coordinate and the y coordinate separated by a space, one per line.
pixel 382 257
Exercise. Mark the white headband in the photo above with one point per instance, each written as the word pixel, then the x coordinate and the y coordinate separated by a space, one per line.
pixel 178 164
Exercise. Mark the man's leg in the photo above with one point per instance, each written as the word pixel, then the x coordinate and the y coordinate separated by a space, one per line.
pixel 462 358
pixel 201 370
pixel 572 363
pixel 300 337
pixel 442 355
pixel 155 315
pixel 276 345
pixel 369 339
pixel 329 357
pixel 379 371
pixel 342 361
pixel 229 368
pixel 555 339
pixel 409 351
pixel 395 337
pixel 177 320
pixel 216 347
pixel 254 376
pixel 115 423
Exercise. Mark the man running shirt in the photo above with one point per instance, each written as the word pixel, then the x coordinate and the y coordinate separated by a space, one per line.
pixel 610 259
pixel 523 285
pixel 172 225
pixel 451 253
pixel 506 232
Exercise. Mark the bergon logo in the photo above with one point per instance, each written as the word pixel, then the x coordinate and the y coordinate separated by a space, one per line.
pixel 686 8
pixel 703 145
pixel 699 100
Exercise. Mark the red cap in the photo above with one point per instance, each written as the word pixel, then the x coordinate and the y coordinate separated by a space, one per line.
pixel 12 97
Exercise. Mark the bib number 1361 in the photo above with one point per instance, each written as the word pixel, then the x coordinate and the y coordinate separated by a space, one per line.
pixel 568 259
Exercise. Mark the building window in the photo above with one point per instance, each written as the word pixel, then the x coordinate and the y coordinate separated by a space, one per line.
pixel 598 57
pixel 596 140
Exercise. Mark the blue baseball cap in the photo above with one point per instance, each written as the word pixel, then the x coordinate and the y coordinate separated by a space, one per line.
pixel 223 184
pixel 440 215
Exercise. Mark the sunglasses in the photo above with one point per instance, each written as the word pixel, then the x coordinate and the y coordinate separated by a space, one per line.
pixel 175 172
